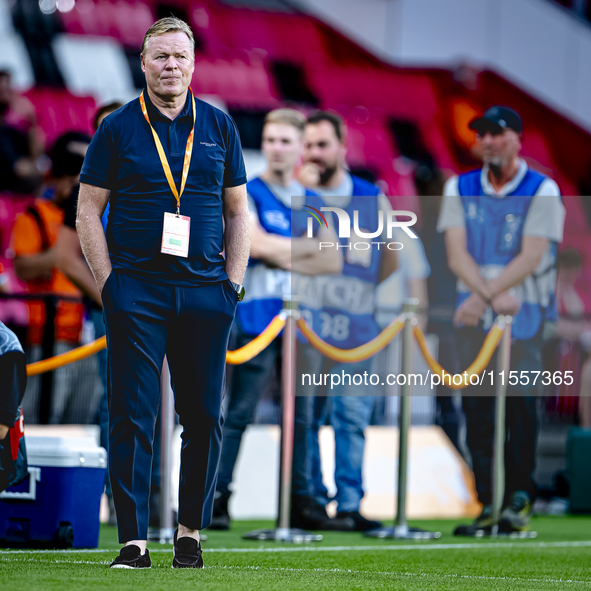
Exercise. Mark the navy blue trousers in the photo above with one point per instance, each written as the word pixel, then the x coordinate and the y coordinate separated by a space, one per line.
pixel 521 423
pixel 191 326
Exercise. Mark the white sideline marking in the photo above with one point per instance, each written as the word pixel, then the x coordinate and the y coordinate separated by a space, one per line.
pixel 399 574
pixel 470 546
pixel 354 572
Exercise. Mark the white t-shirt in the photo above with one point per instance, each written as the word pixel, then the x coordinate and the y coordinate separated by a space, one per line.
pixel 545 219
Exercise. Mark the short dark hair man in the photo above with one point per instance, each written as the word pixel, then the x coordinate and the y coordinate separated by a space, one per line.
pixel 502 224
pixel 171 167
pixel 343 324
pixel 278 221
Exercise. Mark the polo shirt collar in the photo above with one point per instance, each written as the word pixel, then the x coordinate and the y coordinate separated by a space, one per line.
pixel 154 113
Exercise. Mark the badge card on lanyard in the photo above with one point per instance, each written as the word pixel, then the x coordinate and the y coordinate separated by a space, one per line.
pixel 176 227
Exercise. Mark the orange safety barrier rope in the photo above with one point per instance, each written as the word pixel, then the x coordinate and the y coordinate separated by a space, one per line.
pixel 481 362
pixel 358 353
pixel 276 325
pixel 52 363
pixel 241 355
pixel 259 343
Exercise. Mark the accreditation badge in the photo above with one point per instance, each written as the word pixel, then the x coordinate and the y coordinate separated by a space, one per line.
pixel 175 235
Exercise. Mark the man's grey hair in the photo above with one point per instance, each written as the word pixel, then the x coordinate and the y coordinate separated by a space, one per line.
pixel 168 25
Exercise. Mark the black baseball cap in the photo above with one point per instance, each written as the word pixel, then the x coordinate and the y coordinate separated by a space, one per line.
pixel 496 119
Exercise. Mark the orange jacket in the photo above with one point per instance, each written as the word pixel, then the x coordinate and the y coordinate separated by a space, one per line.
pixel 27 240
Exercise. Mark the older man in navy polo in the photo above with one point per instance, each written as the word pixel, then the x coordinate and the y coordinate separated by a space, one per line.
pixel 171 168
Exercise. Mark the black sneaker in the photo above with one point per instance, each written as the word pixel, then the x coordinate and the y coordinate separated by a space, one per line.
pixel 515 517
pixel 130 557
pixel 354 521
pixel 306 513
pixel 221 517
pixel 483 523
pixel 187 553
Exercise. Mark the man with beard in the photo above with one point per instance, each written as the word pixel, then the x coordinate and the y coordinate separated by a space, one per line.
pixel 342 324
pixel 278 248
pixel 502 225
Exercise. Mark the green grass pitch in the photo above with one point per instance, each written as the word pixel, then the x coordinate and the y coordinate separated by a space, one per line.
pixel 559 558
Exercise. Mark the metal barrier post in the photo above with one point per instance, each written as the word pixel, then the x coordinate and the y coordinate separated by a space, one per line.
pixel 165 533
pixel 498 469
pixel 503 369
pixel 401 529
pixel 47 351
pixel 283 532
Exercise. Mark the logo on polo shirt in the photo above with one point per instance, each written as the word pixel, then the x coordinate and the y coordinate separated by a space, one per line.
pixel 208 144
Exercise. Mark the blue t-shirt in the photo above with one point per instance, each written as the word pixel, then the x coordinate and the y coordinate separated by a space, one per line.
pixel 122 157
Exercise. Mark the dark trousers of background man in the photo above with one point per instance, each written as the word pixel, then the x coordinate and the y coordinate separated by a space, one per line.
pixel 349 415
pixel 521 419
pixel 190 325
pixel 249 381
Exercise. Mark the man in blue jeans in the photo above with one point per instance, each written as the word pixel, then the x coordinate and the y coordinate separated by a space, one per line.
pixel 278 248
pixel 345 322
pixel 349 415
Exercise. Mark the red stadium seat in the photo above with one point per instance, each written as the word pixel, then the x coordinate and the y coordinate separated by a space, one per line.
pixel 369 144
pixel 237 82
pixel 125 20
pixel 399 95
pixel 10 206
pixel 274 36
pixel 399 184
pixel 133 20
pixel 59 111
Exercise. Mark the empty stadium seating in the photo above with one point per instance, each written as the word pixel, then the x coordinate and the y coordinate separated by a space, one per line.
pixel 14 58
pixel 238 49
pixel 59 111
pixel 238 82
pixel 94 66
pixel 125 21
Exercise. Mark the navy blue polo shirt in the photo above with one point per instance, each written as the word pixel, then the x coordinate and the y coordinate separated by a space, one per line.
pixel 122 157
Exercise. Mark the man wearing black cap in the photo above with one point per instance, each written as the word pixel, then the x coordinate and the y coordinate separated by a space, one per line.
pixel 502 225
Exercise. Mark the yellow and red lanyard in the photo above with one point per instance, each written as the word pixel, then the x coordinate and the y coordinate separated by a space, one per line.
pixel 164 160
